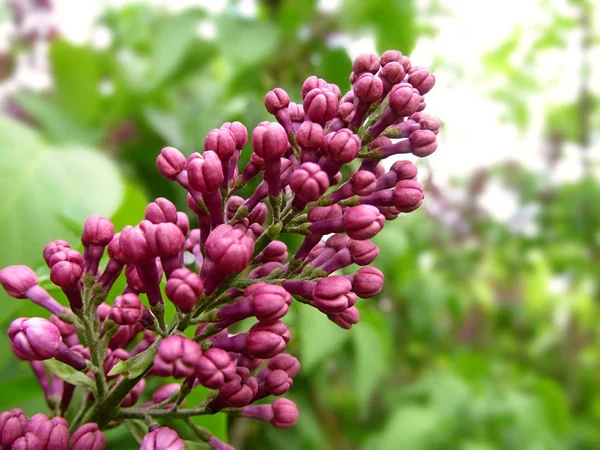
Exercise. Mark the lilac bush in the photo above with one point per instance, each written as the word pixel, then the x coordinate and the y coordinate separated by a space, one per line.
pixel 231 268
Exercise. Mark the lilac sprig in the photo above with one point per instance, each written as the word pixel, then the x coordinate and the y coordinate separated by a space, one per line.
pixel 109 343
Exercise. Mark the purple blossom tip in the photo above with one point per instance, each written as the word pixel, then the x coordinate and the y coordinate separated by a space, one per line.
pixel 127 310
pixel 276 100
pixel 98 230
pixel 53 434
pixel 229 249
pixel 239 132
pixel 363 222
pixel 162 439
pixel 365 63
pixel 404 101
pixel 407 195
pixel 269 141
pixel 13 425
pixel 205 173
pixel 88 437
pixel 176 357
pixel 133 245
pixel 164 239
pixel 342 146
pixel 54 247
pixel 170 162
pixel 310 135
pixel 161 210
pixel 424 143
pixel 320 105
pixel 346 318
pixel 214 368
pixel 266 340
pixel 368 88
pixel 333 294
pixel 368 282
pixel 34 339
pixel 17 280
pixel 183 288
pixel 309 183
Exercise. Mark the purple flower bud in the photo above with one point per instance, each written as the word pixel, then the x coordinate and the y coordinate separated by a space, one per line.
pixel 127 310
pixel 404 101
pixel 12 426
pixel 277 382
pixel 390 56
pixel 167 241
pixel 164 392
pixel 88 437
pixel 66 268
pixel 134 281
pixel 310 135
pixel 229 249
pixel 183 223
pixel 320 105
pixel 283 413
pixel 67 331
pixel 407 195
pixel 17 280
pixel 34 339
pixel 346 113
pixel 239 132
pixel 277 102
pixel 275 251
pixel 162 439
pixel 342 146
pixel 333 295
pixel 161 210
pixel 205 172
pixel 238 392
pixel 266 340
pixel 183 288
pixel 313 82
pixel 134 395
pixel 365 63
pixel 421 79
pixel 28 442
pixel 133 245
pixel 309 183
pixel 170 162
pixel 296 113
pixel 363 252
pixel 346 318
pixel 97 233
pixel 214 368
pixel 177 357
pixel 285 362
pixel 264 270
pixel 233 204
pixel 367 282
pixel 393 73
pixel 53 434
pixel 363 222
pixel 222 141
pixel 54 247
pixel 423 142
pixel 363 182
pixel 269 141
pixel 249 362
pixel 111 358
pixel 367 89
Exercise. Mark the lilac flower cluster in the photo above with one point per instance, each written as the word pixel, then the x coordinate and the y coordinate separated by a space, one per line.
pixel 231 268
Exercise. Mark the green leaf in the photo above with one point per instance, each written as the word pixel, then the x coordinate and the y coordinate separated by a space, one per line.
pixel 70 375
pixel 245 42
pixel 136 365
pixel 411 427
pixel 76 80
pixel 41 185
pixel 56 123
pixel 319 337
pixel 172 41
pixel 371 340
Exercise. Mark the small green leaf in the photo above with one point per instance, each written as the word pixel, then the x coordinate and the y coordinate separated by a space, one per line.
pixel 70 375
pixel 135 366
pixel 319 337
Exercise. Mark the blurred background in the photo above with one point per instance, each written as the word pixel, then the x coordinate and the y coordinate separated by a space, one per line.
pixel 486 335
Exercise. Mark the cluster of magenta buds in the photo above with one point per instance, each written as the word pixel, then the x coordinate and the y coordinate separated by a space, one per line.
pixel 322 178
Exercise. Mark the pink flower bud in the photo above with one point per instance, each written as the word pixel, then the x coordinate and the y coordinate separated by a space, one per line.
pixel 423 143
pixel 259 214
pixel 407 195
pixel 320 105
pixel 127 310
pixel 278 382
pixel 54 247
pixel 238 392
pixel 285 362
pixel 313 82
pixel 269 141
pixel 205 173
pixel 276 100
pixel 346 318
pixel 333 295
pixel 310 135
pixel 13 425
pixel 133 245
pixel 363 222
pixel 17 280
pixel 184 288
pixel 309 183
pixel 368 282
pixel 88 437
pixel 421 79
pixel 222 141
pixel 161 210
pixel 368 88
pixel 162 439
pixel 229 249
pixel 183 223
pixel 365 63
pixel 404 101
pixel 363 182
pixel 214 368
pixel 342 146
pixel 164 239
pixel 34 339
pixel 177 357
pixel 170 162
pixel 393 72
pixel 66 268
pixel 275 251
pixel 239 132
pixel 266 340
pixel 28 442
pixel 53 434
pixel 363 252
pixel 97 230
pixel 296 113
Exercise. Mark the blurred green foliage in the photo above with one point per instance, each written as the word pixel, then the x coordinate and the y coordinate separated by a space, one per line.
pixel 485 336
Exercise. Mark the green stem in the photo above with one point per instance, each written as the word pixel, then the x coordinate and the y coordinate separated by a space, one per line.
pixel 141 413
